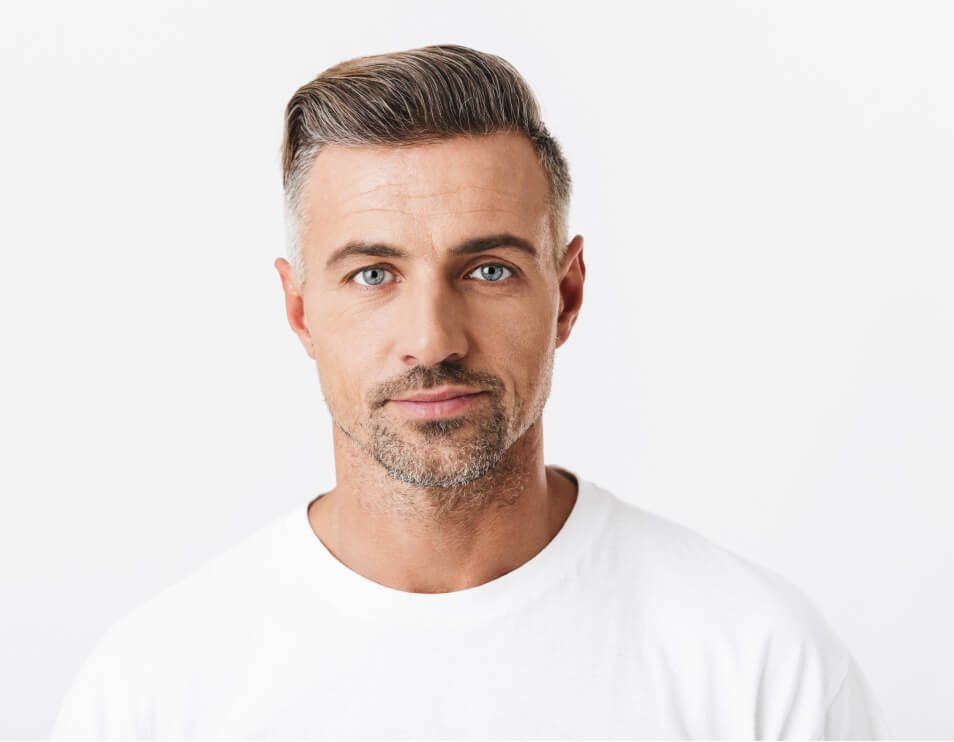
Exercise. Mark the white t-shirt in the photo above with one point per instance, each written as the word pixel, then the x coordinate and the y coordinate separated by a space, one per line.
pixel 626 625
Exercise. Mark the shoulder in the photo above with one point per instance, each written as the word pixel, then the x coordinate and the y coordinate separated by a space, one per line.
pixel 158 645
pixel 222 597
pixel 700 588
pixel 680 562
pixel 695 600
pixel 234 575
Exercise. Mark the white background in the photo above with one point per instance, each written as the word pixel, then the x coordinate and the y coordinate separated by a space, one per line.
pixel 765 350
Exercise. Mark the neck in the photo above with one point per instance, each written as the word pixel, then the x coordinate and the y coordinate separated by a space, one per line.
pixel 432 540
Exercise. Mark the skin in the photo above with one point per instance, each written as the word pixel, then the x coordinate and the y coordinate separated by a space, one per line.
pixel 423 505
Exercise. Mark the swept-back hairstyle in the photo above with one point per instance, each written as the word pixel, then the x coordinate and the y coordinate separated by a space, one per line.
pixel 413 97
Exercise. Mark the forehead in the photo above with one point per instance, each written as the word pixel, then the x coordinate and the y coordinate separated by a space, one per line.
pixel 494 183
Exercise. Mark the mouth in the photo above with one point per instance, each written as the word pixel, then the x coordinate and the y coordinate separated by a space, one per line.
pixel 421 408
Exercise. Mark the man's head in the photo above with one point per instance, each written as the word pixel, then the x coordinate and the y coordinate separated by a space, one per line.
pixel 428 203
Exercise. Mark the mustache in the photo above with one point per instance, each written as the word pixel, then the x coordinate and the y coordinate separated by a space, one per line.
pixel 421 378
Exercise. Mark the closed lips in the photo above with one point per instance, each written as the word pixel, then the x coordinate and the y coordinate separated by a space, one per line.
pixel 439 395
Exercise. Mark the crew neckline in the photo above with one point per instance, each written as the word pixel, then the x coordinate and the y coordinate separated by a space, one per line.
pixel 359 596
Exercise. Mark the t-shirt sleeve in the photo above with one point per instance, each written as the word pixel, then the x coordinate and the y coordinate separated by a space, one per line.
pixel 854 712
pixel 97 704
pixel 81 712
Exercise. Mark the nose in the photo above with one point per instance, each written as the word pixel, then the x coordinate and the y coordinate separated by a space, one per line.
pixel 432 325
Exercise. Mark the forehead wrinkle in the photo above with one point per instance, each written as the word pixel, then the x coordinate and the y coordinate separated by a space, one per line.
pixel 376 188
pixel 450 202
pixel 455 191
pixel 376 208
pixel 430 213
pixel 452 191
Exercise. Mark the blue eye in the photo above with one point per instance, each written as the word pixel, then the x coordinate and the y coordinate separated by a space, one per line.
pixel 374 276
pixel 491 272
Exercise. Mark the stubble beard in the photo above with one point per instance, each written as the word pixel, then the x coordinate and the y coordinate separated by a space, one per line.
pixel 460 473
pixel 434 455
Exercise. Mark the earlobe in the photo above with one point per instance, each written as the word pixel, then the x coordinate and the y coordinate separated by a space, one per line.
pixel 307 343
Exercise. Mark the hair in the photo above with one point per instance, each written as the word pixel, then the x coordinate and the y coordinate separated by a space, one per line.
pixel 417 96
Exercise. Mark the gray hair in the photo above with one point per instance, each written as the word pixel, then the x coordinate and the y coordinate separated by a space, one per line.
pixel 416 96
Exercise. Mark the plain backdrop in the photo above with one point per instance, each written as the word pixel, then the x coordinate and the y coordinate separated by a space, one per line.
pixel 765 351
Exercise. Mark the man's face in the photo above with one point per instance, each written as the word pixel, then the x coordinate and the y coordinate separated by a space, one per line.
pixel 418 303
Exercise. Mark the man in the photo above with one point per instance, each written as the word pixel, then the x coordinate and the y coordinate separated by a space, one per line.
pixel 452 585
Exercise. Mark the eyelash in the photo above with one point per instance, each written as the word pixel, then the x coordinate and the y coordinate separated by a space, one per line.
pixel 352 276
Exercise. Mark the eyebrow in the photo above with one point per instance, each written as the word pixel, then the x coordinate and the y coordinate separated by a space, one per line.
pixel 468 247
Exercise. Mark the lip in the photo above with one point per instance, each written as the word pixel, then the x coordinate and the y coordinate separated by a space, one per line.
pixel 447 405
pixel 448 392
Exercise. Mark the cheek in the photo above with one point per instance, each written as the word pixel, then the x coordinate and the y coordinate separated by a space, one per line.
pixel 529 332
pixel 521 346
pixel 338 340
pixel 341 362
pixel 339 367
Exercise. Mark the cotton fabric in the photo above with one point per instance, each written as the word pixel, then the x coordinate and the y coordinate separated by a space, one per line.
pixel 625 626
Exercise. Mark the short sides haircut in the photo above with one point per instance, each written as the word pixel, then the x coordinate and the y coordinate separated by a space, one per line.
pixel 411 97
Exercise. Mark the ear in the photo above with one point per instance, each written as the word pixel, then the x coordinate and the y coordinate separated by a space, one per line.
pixel 295 305
pixel 571 273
